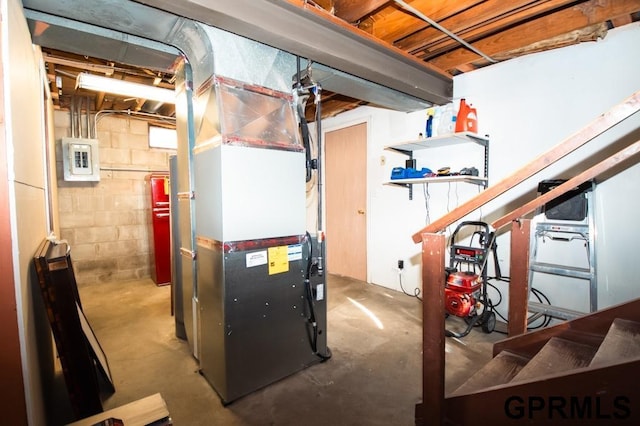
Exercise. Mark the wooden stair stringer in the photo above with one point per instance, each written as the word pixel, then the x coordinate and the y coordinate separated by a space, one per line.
pixel 596 395
pixel 589 329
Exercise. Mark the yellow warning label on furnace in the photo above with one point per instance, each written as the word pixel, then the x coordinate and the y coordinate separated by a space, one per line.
pixel 278 259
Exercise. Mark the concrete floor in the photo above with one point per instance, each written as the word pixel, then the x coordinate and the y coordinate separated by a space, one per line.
pixel 373 378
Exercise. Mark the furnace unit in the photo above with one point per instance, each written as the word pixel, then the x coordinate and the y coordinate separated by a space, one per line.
pixel 262 310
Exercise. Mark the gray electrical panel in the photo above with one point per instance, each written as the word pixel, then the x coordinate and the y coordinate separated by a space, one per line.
pixel 80 159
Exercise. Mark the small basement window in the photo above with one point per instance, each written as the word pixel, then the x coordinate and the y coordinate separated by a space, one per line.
pixel 163 137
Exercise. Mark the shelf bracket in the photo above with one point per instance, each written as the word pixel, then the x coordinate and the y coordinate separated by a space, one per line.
pixel 405 185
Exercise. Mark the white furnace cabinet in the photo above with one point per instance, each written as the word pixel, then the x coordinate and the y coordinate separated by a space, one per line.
pixel 246 193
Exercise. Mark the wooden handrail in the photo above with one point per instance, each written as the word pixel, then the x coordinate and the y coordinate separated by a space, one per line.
pixel 598 126
pixel 578 180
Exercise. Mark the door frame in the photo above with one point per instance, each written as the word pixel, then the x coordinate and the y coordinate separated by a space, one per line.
pixel 339 126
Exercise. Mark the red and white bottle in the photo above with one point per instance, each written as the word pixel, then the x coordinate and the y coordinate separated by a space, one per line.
pixel 467 118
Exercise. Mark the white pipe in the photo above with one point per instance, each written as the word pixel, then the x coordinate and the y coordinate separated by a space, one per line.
pixel 87 109
pixel 444 30
pixel 78 116
pixel 99 115
pixel 73 126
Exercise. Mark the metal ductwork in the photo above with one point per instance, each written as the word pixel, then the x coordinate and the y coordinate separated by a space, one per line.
pixel 85 39
pixel 119 30
pixel 305 31
pixel 131 32
pixel 358 88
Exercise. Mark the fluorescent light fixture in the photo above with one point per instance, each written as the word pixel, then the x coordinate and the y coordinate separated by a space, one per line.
pixel 124 88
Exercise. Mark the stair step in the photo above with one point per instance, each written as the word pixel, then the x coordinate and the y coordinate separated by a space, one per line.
pixel 501 369
pixel 556 355
pixel 621 342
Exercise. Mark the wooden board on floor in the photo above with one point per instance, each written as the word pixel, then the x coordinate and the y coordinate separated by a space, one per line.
pixel 149 410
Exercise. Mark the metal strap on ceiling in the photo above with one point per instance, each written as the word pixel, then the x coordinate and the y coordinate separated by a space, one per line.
pixel 444 30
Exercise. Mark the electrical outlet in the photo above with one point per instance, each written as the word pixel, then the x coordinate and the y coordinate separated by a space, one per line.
pixel 401 264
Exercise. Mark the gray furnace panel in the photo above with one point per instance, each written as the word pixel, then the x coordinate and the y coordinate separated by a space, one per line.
pixel 255 322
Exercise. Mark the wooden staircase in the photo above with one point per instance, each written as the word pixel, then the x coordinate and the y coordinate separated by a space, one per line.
pixel 569 373
pixel 583 371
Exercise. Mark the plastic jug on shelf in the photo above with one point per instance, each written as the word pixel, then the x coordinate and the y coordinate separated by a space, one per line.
pixel 447 120
pixel 467 119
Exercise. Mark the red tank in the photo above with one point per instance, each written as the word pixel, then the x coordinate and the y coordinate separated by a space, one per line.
pixel 459 293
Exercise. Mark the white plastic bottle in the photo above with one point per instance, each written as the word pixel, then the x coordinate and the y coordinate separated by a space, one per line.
pixel 447 124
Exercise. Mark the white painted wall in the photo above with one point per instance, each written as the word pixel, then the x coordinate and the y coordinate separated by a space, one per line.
pixel 526 105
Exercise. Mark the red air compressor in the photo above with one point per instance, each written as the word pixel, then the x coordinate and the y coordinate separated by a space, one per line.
pixel 465 287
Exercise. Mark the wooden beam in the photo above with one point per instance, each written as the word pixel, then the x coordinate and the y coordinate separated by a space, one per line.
pixel 578 180
pixel 485 19
pixel 551 25
pixel 590 33
pixel 396 23
pixel 619 21
pixel 53 87
pixel 79 64
pixel 466 67
pixel 433 355
pixel 139 103
pixel 354 10
pixel 332 106
pixel 99 100
pixel 327 5
pixel 598 126
pixel 519 271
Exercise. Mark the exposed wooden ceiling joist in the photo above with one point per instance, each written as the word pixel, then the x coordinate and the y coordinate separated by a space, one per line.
pixel 353 10
pixel 488 18
pixel 545 27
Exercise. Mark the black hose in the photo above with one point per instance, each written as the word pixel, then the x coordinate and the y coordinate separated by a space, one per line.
pixel 471 324
pixel 304 128
pixel 539 295
pixel 312 311
pixel 318 104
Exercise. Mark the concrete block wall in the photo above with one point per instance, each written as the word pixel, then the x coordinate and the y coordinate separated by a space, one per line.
pixel 108 223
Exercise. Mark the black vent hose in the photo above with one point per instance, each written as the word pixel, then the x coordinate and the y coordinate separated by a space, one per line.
pixel 312 312
pixel 304 128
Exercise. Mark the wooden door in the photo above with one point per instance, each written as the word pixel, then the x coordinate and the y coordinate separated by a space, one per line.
pixel 346 201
